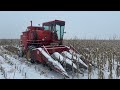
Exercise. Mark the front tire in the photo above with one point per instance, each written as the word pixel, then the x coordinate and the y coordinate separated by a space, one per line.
pixel 32 61
pixel 29 54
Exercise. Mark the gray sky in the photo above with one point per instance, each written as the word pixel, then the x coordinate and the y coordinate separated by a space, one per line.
pixel 82 24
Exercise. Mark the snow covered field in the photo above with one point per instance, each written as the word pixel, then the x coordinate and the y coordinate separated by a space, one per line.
pixel 13 67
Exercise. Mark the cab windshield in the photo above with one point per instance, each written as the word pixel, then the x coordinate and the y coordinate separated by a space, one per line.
pixel 56 28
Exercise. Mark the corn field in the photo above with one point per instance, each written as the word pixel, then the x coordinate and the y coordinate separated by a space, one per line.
pixel 105 54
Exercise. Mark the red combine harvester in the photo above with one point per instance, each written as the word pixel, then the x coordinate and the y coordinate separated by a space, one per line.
pixel 45 45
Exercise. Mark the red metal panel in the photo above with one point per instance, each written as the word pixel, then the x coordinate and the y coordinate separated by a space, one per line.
pixel 39 57
pixel 59 49
pixel 44 37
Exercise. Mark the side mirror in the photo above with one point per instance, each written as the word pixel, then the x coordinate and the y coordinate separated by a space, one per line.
pixel 64 32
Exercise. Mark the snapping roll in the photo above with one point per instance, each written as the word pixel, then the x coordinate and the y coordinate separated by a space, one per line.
pixel 53 63
pixel 75 59
pixel 60 58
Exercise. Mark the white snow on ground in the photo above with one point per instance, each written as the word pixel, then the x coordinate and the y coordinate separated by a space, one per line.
pixel 19 68
pixel 12 67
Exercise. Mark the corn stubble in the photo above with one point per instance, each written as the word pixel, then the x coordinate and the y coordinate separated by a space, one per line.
pixel 104 53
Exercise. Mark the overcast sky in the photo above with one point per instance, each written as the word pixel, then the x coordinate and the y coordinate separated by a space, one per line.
pixel 82 24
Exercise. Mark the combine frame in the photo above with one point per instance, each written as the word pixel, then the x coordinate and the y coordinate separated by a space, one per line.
pixel 44 45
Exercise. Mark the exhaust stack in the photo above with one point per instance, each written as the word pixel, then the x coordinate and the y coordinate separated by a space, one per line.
pixel 31 23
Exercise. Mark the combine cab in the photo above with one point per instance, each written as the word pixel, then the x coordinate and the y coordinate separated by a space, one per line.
pixel 44 44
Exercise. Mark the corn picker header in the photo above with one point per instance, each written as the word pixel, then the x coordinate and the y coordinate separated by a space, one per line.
pixel 45 45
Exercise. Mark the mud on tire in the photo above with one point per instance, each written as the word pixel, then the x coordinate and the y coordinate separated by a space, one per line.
pixel 29 54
